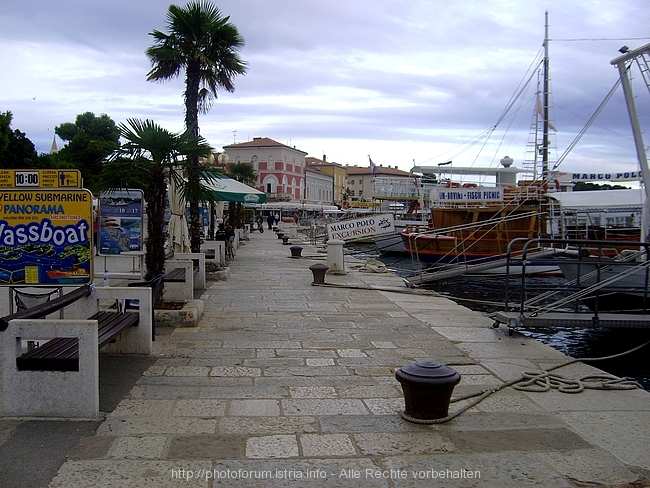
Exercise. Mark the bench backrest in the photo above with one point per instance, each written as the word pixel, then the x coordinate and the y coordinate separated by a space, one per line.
pixel 47 308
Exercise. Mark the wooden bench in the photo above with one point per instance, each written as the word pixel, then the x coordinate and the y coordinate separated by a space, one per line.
pixel 62 354
pixel 61 377
pixel 185 272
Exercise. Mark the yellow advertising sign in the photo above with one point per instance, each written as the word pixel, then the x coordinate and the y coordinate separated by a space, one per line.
pixel 45 236
pixel 40 178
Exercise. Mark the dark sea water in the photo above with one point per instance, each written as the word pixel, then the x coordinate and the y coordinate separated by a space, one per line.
pixel 487 294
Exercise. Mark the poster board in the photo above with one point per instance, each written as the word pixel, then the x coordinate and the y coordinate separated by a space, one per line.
pixel 45 236
pixel 120 222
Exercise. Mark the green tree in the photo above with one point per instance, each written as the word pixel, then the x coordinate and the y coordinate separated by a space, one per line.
pixel 588 186
pixel 90 140
pixel 5 130
pixel 244 173
pixel 16 150
pixel 203 44
pixel 148 156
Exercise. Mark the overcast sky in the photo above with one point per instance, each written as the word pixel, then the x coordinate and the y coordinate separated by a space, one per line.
pixel 401 81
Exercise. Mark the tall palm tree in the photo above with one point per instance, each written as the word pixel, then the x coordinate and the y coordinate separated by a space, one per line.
pixel 205 45
pixel 246 174
pixel 146 158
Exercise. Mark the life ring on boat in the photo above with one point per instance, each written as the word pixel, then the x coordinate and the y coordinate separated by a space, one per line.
pixel 452 184
pixel 469 185
pixel 555 181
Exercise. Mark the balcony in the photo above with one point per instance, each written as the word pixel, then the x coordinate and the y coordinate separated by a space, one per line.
pixel 279 197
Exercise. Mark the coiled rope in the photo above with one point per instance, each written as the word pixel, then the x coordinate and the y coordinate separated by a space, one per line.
pixel 544 381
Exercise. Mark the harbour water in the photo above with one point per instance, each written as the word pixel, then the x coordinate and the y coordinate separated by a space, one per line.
pixel 487 294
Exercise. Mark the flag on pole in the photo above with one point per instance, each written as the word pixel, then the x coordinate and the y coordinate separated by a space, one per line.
pixel 539 110
pixel 373 166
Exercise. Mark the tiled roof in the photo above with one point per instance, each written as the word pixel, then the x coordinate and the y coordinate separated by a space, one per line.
pixel 381 171
pixel 261 142
pixel 319 162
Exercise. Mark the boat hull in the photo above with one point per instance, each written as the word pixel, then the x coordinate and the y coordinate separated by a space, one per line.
pixel 626 288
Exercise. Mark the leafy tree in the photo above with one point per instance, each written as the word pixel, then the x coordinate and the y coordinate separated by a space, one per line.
pixel 587 186
pixel 5 130
pixel 148 156
pixel 16 150
pixel 90 140
pixel 204 44
pixel 244 173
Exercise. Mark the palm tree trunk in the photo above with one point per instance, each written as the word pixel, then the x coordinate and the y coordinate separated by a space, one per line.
pixel 155 243
pixel 192 123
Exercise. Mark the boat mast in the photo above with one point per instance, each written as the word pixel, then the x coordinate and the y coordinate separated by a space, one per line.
pixel 545 103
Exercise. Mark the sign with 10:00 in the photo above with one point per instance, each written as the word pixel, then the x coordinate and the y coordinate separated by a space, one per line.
pixel 45 236
pixel 40 178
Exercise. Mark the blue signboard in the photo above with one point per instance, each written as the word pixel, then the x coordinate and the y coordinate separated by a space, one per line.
pixel 120 222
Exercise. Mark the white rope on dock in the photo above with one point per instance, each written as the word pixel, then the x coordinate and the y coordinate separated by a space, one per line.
pixel 607 382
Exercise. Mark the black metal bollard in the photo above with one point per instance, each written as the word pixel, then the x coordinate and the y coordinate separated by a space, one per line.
pixel 319 270
pixel 285 240
pixel 427 387
pixel 280 234
pixel 296 251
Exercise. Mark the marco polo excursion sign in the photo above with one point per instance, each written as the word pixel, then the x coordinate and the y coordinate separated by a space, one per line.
pixel 369 226
pixel 45 236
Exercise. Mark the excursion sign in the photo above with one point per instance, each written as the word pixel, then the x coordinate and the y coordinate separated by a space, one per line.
pixel 40 178
pixel 364 227
pixel 45 237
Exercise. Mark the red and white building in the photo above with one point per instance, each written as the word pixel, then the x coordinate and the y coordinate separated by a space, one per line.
pixel 280 168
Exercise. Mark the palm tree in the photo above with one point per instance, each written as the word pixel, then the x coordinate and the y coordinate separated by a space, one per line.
pixel 205 45
pixel 244 173
pixel 145 160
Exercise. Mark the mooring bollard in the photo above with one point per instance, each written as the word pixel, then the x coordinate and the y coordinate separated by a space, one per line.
pixel 280 234
pixel 285 240
pixel 427 387
pixel 335 256
pixel 296 251
pixel 318 270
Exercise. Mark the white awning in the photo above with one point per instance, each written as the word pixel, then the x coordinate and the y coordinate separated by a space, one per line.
pixel 600 199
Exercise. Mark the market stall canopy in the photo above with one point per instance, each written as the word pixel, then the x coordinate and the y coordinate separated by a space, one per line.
pixel 227 189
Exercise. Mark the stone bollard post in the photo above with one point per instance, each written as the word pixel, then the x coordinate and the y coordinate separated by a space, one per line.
pixel 335 256
pixel 427 387
pixel 296 251
pixel 318 270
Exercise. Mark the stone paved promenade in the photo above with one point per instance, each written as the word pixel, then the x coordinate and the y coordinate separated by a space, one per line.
pixel 285 384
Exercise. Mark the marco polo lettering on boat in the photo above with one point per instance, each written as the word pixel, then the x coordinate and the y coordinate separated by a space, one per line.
pixel 610 176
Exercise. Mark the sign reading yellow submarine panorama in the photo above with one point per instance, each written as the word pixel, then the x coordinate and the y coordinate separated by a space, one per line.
pixel 45 236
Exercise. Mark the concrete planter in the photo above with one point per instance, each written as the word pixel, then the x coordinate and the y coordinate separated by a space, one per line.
pixel 188 316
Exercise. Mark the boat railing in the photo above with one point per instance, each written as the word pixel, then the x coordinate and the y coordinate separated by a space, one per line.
pixel 465 238
pixel 598 275
pixel 491 223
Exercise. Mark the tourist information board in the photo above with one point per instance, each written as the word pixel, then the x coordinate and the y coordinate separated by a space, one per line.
pixel 120 222
pixel 45 236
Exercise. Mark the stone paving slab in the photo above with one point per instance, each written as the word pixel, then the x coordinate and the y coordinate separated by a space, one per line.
pixel 286 384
